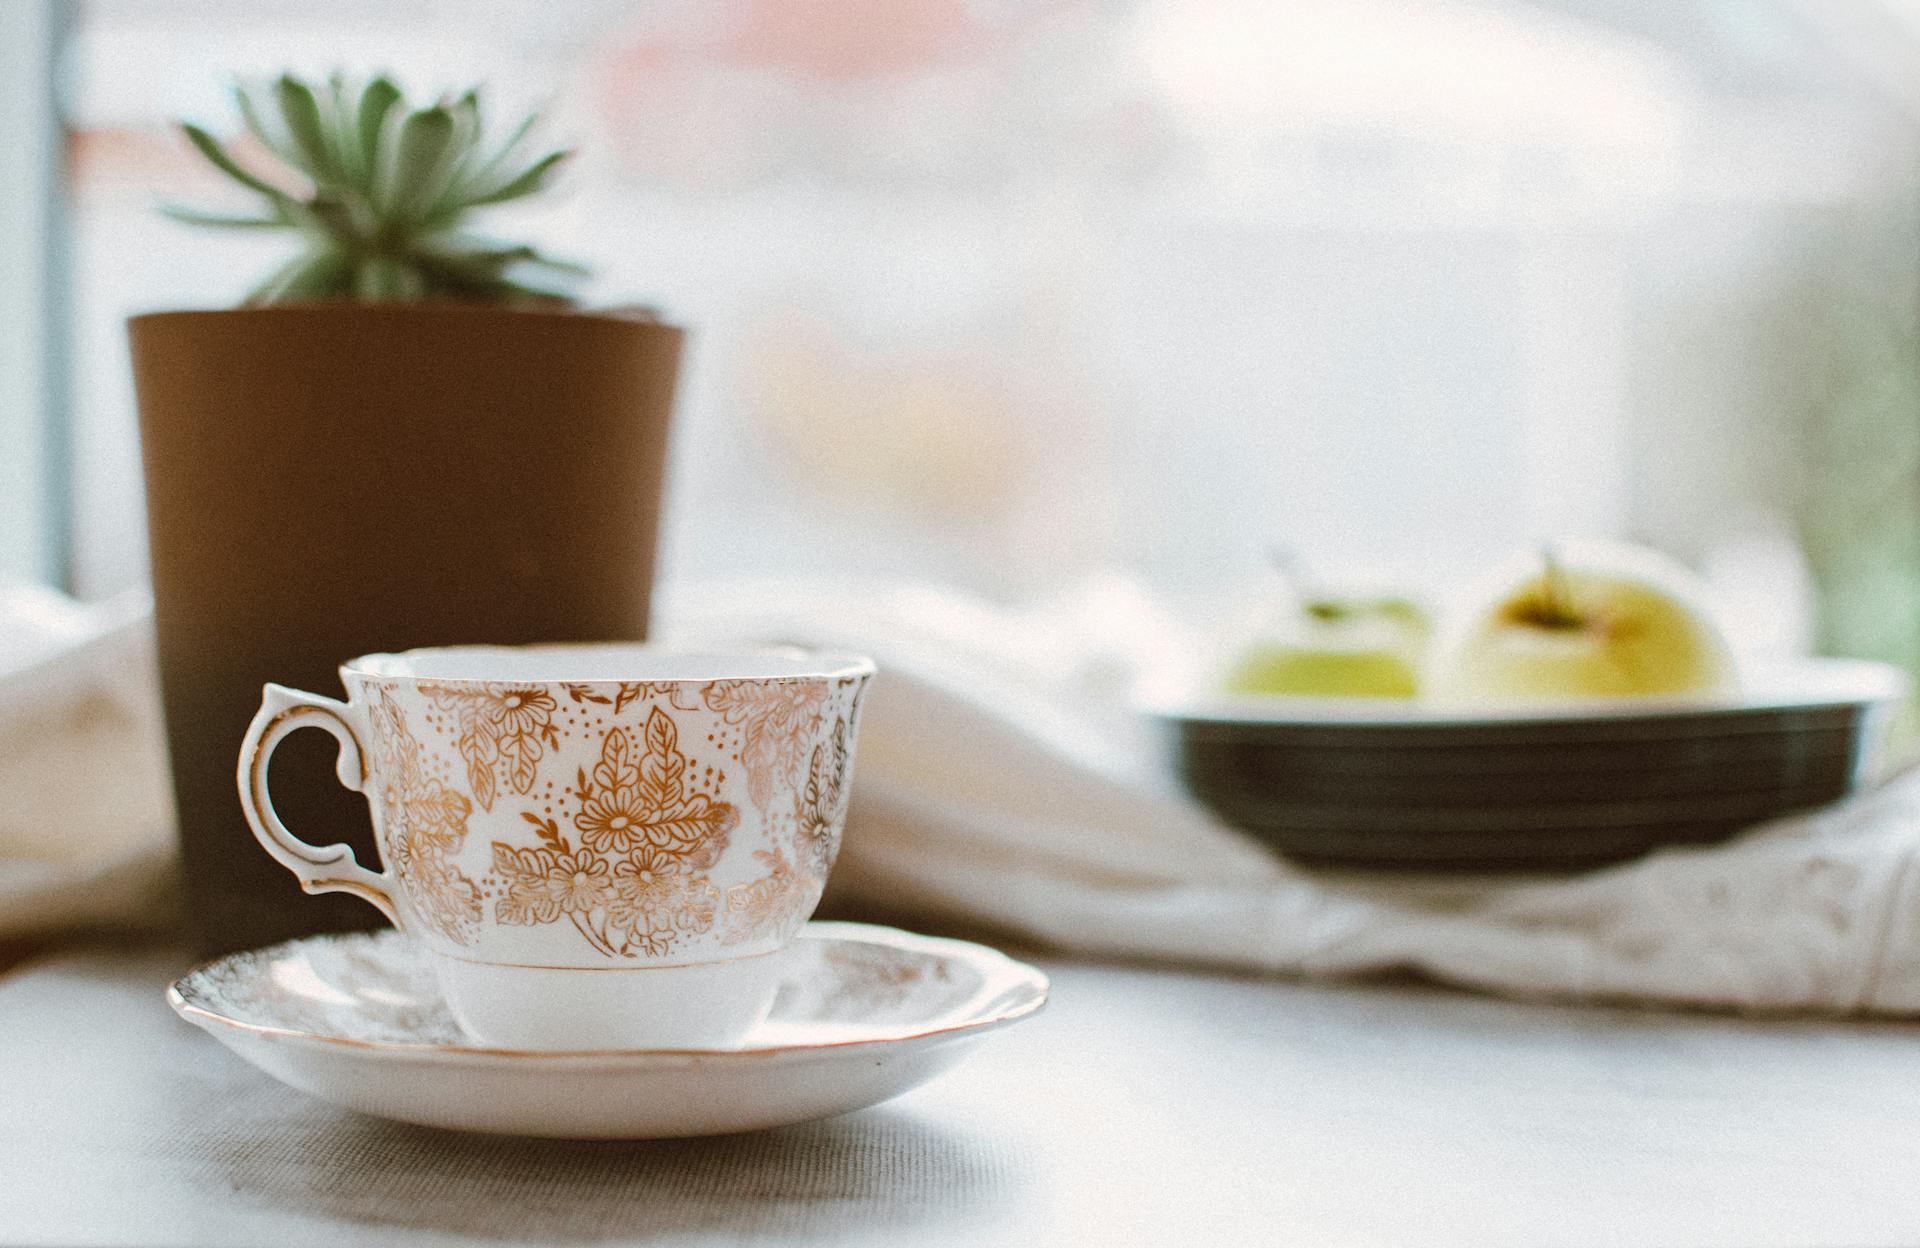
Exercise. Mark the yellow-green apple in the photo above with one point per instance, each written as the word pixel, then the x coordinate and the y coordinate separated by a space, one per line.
pixel 1586 620
pixel 1336 648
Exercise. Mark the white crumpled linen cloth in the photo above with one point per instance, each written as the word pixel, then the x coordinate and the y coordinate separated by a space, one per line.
pixel 1001 779
pixel 86 821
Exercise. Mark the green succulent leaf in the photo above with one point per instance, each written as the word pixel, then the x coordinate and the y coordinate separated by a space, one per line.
pixel 485 172
pixel 370 120
pixel 480 171
pixel 342 137
pixel 268 136
pixel 532 179
pixel 565 268
pixel 307 127
pixel 217 156
pixel 221 220
pixel 451 199
pixel 466 112
pixel 420 160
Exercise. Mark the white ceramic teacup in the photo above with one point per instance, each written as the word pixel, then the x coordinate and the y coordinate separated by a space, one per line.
pixel 603 846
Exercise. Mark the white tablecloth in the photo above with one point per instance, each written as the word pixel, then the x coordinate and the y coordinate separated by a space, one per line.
pixel 1141 1107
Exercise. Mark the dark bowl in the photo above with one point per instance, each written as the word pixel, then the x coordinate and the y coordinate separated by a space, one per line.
pixel 1389 785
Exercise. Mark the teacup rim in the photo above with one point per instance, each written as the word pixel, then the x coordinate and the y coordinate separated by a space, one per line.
pixel 817 664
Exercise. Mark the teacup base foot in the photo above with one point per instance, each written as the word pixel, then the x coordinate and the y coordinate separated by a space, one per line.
pixel 707 1005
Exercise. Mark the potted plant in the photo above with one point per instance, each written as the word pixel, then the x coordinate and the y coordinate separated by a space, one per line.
pixel 409 435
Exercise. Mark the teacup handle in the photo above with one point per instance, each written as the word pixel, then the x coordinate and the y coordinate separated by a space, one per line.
pixel 321 868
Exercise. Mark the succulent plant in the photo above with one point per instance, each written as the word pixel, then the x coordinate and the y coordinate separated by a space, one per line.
pixel 381 193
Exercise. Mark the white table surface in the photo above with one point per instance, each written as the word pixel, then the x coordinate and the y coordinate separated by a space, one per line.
pixel 1144 1106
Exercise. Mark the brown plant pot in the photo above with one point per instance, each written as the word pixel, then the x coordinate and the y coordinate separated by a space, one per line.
pixel 328 480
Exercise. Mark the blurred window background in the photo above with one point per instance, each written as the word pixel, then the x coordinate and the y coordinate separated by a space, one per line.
pixel 1007 292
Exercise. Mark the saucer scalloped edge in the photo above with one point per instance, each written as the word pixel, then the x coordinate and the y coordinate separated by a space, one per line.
pixel 864 1013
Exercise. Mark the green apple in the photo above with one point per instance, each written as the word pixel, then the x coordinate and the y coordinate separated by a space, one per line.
pixel 1353 648
pixel 1587 621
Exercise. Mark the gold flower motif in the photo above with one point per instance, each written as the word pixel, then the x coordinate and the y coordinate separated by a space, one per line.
pixel 543 884
pixel 609 821
pixel 644 879
pixel 632 801
pixel 775 719
pixel 655 895
pixel 520 716
pixel 500 726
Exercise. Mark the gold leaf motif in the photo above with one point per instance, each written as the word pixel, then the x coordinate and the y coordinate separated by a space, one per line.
pixel 437 817
pixel 549 830
pixel 480 777
pixel 423 823
pixel 625 692
pixel 444 895
pixel 823 804
pixel 499 724
pixel 522 772
pixel 661 770
pixel 775 719
pixel 768 906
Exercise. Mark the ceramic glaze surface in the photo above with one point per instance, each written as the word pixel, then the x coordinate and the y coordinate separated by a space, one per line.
pixel 861 1014
pixel 602 823
pixel 545 821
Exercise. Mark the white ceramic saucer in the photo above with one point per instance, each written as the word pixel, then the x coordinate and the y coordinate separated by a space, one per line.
pixel 864 1014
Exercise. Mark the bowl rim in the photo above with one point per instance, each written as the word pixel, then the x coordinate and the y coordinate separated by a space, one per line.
pixel 1802 684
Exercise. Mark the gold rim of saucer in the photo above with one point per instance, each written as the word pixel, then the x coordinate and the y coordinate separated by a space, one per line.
pixel 1001 974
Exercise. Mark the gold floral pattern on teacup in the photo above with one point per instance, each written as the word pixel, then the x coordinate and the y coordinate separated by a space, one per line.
pixel 771 906
pixel 775 721
pixel 620 694
pixel 823 804
pixel 635 883
pixel 580 824
pixel 424 825
pixel 636 799
pixel 505 728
